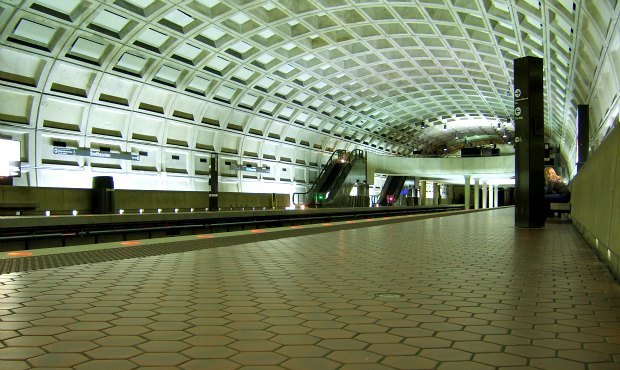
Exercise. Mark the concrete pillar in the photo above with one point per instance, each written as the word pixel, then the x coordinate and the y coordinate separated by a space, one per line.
pixel 467 192
pixel 529 142
pixel 416 191
pixel 422 192
pixel 583 134
pixel 495 196
pixel 436 193
pixel 431 186
pixel 477 194
pixel 213 181
pixel 491 193
pixel 485 194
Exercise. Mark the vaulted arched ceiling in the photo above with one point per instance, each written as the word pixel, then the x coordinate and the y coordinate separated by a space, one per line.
pixel 390 76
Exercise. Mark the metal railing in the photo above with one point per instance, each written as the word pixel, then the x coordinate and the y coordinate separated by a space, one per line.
pixel 339 155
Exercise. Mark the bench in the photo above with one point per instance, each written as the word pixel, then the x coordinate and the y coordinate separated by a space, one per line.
pixel 559 208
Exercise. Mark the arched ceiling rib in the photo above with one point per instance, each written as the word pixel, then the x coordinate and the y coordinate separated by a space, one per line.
pixel 373 72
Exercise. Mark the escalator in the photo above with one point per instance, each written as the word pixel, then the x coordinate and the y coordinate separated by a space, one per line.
pixel 336 171
pixel 335 181
pixel 391 190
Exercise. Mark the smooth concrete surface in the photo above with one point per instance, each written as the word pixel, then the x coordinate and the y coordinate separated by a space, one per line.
pixel 64 200
pixel 53 199
pixel 595 200
pixel 467 291
pixel 481 167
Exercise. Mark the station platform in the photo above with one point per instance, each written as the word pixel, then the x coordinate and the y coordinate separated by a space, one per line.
pixel 462 290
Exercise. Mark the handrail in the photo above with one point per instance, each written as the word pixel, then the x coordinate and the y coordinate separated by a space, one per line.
pixel 390 182
pixel 340 153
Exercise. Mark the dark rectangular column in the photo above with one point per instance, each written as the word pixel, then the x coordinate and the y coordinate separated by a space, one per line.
pixel 213 181
pixel 529 157
pixel 583 134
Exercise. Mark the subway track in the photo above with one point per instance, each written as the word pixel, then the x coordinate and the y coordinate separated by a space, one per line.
pixel 184 235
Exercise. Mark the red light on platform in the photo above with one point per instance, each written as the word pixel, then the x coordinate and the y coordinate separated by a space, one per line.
pixel 257 231
pixel 130 243
pixel 350 222
pixel 297 227
pixel 19 254
pixel 205 236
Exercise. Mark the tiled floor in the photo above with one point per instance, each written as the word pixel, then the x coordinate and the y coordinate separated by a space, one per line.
pixel 458 292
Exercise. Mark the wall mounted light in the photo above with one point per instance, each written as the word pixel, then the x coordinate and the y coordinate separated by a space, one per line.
pixel 74 212
pixel 141 211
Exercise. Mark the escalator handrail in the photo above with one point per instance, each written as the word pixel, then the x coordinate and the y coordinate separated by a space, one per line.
pixel 330 160
pixel 392 183
pixel 336 185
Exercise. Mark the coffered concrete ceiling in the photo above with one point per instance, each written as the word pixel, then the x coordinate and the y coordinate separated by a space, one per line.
pixel 388 76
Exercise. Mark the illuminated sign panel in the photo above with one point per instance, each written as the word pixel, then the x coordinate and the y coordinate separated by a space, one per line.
pixel 86 152
pixel 10 158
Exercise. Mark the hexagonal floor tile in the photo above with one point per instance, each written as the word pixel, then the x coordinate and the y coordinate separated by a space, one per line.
pixel 310 363
pixel 409 362
pixel 159 359
pixel 258 358
pixel 58 360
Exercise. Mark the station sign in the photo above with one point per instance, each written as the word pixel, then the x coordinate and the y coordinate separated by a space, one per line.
pixel 87 152
pixel 250 169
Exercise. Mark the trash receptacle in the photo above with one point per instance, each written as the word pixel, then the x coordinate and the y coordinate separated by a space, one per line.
pixel 103 194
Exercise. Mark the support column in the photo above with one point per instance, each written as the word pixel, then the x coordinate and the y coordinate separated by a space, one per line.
pixel 213 181
pixel 467 192
pixel 477 194
pixel 431 185
pixel 416 191
pixel 529 141
pixel 583 134
pixel 491 194
pixel 495 196
pixel 422 192
pixel 485 195
pixel 436 193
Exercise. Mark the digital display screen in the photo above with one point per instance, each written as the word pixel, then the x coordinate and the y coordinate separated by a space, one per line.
pixel 10 158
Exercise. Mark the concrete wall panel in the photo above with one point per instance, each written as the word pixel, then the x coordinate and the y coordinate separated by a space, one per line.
pixel 595 200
